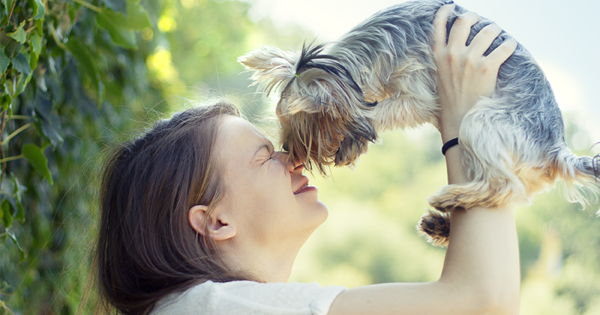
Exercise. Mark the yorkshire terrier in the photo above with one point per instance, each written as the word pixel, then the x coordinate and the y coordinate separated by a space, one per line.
pixel 337 98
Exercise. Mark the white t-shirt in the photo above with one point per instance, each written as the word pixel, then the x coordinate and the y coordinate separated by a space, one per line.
pixel 249 297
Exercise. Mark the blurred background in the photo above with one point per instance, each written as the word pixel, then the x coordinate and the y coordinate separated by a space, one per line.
pixel 104 75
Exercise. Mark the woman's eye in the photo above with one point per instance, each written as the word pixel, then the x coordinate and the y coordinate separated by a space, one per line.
pixel 269 155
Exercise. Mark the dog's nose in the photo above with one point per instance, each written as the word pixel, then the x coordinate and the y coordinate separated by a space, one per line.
pixel 296 166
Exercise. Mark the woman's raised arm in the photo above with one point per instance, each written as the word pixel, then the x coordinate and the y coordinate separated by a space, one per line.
pixel 481 273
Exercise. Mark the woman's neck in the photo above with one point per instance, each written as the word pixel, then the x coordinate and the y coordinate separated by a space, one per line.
pixel 264 264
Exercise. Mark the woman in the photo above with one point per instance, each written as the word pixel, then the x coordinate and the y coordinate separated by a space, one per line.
pixel 202 216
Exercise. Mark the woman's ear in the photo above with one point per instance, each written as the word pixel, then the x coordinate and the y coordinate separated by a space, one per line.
pixel 218 227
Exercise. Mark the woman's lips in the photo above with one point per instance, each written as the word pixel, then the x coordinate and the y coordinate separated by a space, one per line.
pixel 305 188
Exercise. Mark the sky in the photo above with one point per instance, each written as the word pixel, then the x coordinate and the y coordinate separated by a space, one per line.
pixel 563 38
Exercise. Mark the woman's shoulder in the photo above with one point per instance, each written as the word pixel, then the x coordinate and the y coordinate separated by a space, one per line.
pixel 249 297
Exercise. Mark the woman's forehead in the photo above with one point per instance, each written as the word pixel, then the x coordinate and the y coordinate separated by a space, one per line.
pixel 236 128
pixel 238 139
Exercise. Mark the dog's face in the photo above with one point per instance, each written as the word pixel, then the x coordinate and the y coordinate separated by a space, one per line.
pixel 322 111
pixel 324 120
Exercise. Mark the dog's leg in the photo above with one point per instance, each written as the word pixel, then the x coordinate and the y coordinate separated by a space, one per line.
pixel 407 98
pixel 488 145
pixel 510 158
pixel 435 227
pixel 491 193
pixel 404 112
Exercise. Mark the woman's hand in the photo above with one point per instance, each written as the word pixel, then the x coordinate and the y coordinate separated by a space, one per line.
pixel 464 74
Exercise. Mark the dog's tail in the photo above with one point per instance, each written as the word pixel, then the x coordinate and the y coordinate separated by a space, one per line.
pixel 578 172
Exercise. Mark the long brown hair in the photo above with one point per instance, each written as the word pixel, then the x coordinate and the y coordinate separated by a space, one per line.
pixel 146 247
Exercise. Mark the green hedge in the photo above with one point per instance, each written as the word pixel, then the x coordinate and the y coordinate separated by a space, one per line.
pixel 77 75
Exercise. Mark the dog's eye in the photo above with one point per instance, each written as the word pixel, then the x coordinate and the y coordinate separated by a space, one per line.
pixel 286 148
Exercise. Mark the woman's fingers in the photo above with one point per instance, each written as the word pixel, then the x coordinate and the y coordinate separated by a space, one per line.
pixel 440 22
pixel 461 29
pixel 482 41
pixel 497 57
pixel 464 74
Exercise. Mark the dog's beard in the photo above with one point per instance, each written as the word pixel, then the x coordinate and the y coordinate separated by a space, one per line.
pixel 317 139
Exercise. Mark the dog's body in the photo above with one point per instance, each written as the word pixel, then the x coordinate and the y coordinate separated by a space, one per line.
pixel 381 76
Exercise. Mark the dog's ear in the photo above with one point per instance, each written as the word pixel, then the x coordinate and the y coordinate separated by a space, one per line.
pixel 271 65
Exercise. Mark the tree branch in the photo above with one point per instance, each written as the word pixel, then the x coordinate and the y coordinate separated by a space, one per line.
pixel 1 147
pixel 11 158
pixel 89 6
pixel 16 132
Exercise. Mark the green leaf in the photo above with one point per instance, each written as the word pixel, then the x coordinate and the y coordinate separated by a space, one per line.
pixel 5 100
pixel 116 5
pixel 17 187
pixel 6 288
pixel 9 87
pixel 36 43
pixel 137 17
pixel 17 190
pixel 35 156
pixel 21 84
pixel 7 6
pixel 20 212
pixel 83 55
pixel 121 27
pixel 33 61
pixel 49 131
pixel 38 9
pixel 21 64
pixel 11 46
pixel 14 238
pixel 6 215
pixel 19 35
pixel 4 61
pixel 121 35
pixel 39 27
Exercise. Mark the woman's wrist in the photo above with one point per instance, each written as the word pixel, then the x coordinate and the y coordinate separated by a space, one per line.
pixel 449 125
pixel 449 132
pixel 456 171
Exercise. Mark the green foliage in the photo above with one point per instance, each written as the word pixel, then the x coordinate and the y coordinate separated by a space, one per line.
pixel 55 61
pixel 73 76
pixel 121 26
pixel 34 155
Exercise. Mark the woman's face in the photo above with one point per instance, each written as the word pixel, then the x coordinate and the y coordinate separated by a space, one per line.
pixel 268 198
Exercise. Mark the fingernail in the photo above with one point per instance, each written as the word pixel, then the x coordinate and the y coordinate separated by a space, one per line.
pixel 449 2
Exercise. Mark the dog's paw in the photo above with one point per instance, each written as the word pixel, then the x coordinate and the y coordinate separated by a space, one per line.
pixel 435 227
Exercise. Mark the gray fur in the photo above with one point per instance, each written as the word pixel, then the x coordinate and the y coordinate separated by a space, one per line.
pixel 513 142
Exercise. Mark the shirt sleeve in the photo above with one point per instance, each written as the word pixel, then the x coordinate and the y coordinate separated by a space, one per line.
pixel 248 297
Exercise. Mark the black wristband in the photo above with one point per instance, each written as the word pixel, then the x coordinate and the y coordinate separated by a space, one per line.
pixel 449 145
